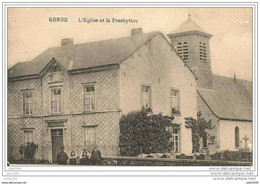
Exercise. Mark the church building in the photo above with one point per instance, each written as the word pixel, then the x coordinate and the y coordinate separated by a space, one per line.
pixel 227 102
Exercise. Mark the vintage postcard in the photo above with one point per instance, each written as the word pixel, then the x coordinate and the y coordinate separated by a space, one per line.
pixel 120 87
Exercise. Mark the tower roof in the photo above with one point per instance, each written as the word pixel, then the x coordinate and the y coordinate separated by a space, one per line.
pixel 189 26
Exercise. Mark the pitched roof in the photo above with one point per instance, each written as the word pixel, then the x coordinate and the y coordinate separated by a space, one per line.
pixel 188 26
pixel 85 55
pixel 229 98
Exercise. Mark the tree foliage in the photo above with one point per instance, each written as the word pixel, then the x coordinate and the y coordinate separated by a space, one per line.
pixel 144 133
pixel 28 150
pixel 198 128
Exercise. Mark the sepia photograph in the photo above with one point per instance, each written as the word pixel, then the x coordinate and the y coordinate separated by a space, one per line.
pixel 130 86
pixel 129 92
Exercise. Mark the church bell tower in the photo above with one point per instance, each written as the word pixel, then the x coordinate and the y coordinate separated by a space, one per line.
pixel 191 43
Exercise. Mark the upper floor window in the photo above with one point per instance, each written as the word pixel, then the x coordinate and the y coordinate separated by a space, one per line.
pixel 236 137
pixel 28 136
pixel 89 97
pixel 175 105
pixel 183 50
pixel 55 100
pixel 27 103
pixel 203 52
pixel 56 73
pixel 146 97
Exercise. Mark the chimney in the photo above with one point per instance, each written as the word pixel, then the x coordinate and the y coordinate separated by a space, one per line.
pixel 136 31
pixel 66 41
pixel 235 77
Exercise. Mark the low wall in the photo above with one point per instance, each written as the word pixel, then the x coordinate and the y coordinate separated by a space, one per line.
pixel 136 161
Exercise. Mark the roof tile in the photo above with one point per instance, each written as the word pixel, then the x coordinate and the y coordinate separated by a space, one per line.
pixel 85 55
pixel 229 98
pixel 188 25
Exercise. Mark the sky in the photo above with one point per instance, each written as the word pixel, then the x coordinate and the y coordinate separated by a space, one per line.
pixel 30 32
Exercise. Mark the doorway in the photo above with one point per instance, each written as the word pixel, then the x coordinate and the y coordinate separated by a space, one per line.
pixel 57 142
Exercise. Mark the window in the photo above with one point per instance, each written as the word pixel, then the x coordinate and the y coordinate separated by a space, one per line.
pixel 56 73
pixel 28 136
pixel 89 136
pixel 89 98
pixel 28 103
pixel 204 141
pixel 203 52
pixel 183 50
pixel 57 132
pixel 175 139
pixel 146 95
pixel 236 137
pixel 179 49
pixel 175 102
pixel 55 100
pixel 185 54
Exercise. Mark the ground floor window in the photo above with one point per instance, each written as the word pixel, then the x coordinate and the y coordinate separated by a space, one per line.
pixel 89 136
pixel 204 142
pixel 175 139
pixel 236 137
pixel 28 136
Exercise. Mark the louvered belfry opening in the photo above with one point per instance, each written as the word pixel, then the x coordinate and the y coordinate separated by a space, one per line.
pixel 183 50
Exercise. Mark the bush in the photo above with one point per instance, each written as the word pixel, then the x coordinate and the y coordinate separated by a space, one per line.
pixel 144 133
pixel 42 161
pixel 28 150
pixel 182 156
pixel 232 156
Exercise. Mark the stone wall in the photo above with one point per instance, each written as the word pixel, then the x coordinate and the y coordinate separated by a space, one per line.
pixel 227 134
pixel 105 116
pixel 157 65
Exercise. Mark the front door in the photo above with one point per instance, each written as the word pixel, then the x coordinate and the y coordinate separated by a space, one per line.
pixel 57 142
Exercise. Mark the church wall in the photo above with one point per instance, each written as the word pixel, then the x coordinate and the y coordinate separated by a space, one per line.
pixel 194 52
pixel 208 115
pixel 227 134
pixel 202 69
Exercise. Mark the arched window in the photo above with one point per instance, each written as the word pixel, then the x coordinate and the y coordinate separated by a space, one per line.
pixel 236 137
pixel 203 52
pixel 183 50
pixel 56 73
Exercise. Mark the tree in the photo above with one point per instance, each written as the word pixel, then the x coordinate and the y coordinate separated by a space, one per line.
pixel 198 128
pixel 144 133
